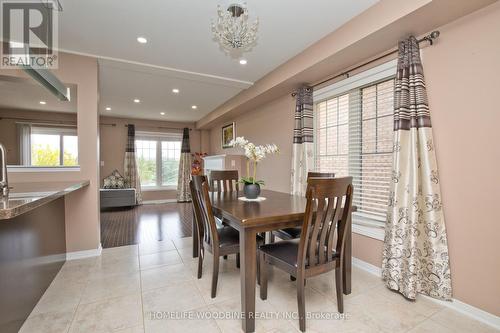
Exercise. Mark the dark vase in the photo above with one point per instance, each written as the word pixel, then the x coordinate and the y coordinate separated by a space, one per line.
pixel 251 191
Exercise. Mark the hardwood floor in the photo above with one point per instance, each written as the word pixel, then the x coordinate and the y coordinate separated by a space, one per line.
pixel 146 223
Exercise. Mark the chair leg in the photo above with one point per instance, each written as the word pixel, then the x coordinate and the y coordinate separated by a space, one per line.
pixel 200 263
pixel 301 302
pixel 339 289
pixel 237 260
pixel 263 276
pixel 215 274
pixel 258 267
pixel 272 238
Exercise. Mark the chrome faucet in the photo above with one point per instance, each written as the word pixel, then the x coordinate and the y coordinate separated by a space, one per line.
pixel 4 182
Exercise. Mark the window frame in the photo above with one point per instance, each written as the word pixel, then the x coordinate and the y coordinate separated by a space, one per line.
pixel 367 225
pixel 159 138
pixel 62 132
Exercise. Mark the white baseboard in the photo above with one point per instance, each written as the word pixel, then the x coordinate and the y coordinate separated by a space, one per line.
pixel 157 202
pixel 464 308
pixel 84 254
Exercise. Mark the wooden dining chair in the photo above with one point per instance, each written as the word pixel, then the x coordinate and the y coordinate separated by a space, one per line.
pixel 224 180
pixel 218 240
pixel 292 233
pixel 320 248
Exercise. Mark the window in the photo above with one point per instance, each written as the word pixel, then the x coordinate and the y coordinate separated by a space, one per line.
pixel 354 136
pixel 158 159
pixel 53 146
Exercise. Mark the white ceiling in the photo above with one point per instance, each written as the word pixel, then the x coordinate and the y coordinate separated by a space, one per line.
pixel 181 52
pixel 26 94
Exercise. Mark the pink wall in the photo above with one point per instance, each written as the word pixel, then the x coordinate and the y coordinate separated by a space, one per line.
pixel 462 78
pixel 272 123
pixel 82 207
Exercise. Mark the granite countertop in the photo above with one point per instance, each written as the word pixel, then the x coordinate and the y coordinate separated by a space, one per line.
pixel 24 197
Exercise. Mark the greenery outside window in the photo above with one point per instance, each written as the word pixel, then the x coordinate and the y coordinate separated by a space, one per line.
pixel 53 146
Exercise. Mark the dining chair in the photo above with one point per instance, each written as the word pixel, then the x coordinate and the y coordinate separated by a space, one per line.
pixel 292 233
pixel 224 180
pixel 219 240
pixel 321 246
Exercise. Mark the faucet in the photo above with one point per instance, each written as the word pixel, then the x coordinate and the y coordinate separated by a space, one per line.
pixel 4 182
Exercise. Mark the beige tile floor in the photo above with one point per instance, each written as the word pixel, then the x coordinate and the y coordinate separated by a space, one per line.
pixel 131 289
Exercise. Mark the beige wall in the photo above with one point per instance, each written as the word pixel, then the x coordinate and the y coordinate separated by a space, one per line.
pixel 272 123
pixel 114 139
pixel 462 71
pixel 8 128
pixel 82 207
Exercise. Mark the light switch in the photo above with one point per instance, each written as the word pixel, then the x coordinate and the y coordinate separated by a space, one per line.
pixel 102 163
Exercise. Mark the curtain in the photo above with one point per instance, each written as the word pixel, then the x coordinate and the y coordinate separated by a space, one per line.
pixel 183 192
pixel 303 149
pixel 130 165
pixel 415 255
pixel 24 132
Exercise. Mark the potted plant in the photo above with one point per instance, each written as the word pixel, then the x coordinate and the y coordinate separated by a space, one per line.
pixel 254 154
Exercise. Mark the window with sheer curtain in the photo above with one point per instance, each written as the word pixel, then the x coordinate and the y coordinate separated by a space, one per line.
pixel 354 136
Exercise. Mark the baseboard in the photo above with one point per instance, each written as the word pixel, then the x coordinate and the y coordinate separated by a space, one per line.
pixel 157 202
pixel 84 254
pixel 464 308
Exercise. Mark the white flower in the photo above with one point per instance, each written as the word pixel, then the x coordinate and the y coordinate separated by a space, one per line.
pixel 253 152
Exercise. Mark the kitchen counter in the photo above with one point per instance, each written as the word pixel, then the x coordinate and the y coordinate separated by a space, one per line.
pixel 25 197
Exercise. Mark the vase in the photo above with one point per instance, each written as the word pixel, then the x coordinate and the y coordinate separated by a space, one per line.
pixel 251 191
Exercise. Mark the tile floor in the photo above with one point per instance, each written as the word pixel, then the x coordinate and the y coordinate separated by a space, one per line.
pixel 132 289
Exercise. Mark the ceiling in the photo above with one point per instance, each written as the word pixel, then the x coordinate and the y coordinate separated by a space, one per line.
pixel 26 94
pixel 181 53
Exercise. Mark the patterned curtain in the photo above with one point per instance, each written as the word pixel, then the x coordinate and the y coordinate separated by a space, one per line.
pixel 130 165
pixel 183 192
pixel 415 255
pixel 303 149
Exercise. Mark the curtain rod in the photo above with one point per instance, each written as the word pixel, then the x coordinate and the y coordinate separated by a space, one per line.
pixel 39 122
pixel 429 38
pixel 151 127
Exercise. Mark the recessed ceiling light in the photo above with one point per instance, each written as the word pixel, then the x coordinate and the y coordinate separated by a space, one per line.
pixel 137 100
pixel 175 91
pixel 194 107
pixel 43 102
pixel 243 61
pixel 108 109
pixel 162 113
pixel 142 40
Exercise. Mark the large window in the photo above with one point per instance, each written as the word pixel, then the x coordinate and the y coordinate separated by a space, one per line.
pixel 53 146
pixel 158 159
pixel 354 136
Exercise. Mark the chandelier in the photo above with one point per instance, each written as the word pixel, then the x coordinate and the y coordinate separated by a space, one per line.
pixel 232 29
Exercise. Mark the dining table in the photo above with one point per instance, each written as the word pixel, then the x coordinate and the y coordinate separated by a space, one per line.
pixel 277 210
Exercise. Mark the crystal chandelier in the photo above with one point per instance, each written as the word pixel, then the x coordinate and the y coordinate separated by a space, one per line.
pixel 232 29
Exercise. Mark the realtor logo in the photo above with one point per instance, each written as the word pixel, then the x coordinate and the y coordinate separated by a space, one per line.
pixel 29 34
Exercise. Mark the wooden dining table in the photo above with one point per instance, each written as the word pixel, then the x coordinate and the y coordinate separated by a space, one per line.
pixel 278 210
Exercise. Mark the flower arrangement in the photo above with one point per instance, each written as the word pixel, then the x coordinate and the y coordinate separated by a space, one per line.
pixel 254 154
pixel 196 164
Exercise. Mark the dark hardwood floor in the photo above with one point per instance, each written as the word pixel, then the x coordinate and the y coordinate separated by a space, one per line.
pixel 146 223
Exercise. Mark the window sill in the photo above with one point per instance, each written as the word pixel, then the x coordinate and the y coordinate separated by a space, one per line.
pixel 21 168
pixel 158 188
pixel 368 227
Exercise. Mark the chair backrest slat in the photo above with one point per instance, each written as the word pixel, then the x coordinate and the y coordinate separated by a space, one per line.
pixel 203 209
pixel 326 199
pixel 224 180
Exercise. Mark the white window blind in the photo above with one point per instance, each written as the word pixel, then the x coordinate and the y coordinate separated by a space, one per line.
pixel 354 136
